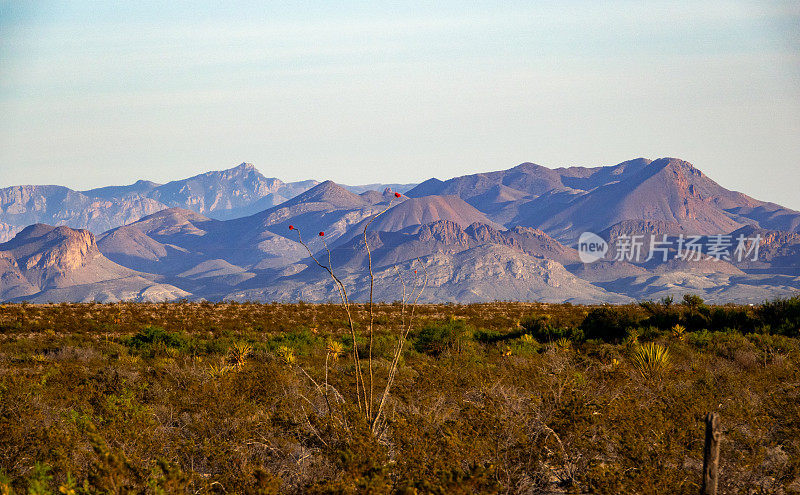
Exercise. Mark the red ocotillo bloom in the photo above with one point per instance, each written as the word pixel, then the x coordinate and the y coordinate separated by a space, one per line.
pixel 322 234
pixel 291 227
pixel 397 195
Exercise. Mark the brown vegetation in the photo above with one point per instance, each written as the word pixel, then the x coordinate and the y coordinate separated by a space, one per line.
pixel 503 397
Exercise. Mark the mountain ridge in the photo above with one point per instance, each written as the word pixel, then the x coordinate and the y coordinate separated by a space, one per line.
pixel 218 235
pixel 221 194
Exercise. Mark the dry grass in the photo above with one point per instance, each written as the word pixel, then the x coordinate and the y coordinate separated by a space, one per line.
pixel 220 400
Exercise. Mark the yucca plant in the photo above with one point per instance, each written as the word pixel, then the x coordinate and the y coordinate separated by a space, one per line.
pixel 287 354
pixel 679 332
pixel 650 359
pixel 239 353
pixel 218 370
pixel 563 343
pixel 334 349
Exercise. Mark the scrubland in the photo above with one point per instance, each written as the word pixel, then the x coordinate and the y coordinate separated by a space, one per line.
pixel 487 398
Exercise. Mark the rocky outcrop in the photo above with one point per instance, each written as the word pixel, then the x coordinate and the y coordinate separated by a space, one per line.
pixel 44 263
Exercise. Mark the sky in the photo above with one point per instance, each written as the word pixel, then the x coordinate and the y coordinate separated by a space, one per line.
pixel 99 93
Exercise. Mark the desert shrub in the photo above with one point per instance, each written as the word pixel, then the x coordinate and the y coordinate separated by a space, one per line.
pixel 301 341
pixel 700 339
pixel 40 480
pixel 5 483
pixel 151 338
pixel 492 336
pixel 782 316
pixel 775 343
pixel 477 479
pixel 663 315
pixel 435 338
pixel 729 344
pixel 733 318
pixel 529 343
pixel 693 301
pixel 541 329
pixel 384 345
pixel 697 313
pixel 609 323
pixel 649 333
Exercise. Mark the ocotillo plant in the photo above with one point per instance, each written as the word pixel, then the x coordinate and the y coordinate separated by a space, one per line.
pixel 364 392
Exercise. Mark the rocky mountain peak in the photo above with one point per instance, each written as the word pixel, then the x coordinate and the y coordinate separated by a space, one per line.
pixel 444 231
pixel 44 247
pixel 327 192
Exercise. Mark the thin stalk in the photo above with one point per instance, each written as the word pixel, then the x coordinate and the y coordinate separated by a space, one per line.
pixel 346 304
pixel 398 352
pixel 371 315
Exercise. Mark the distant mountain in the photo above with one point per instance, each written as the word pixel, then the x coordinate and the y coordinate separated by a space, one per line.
pixel 45 263
pixel 329 194
pixel 401 188
pixel 231 193
pixel 327 207
pixel 222 195
pixel 507 234
pixel 565 202
pixel 410 214
pixel 21 206
pixel 175 240
pixel 484 273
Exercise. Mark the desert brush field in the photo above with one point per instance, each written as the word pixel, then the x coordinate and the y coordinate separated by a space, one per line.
pixel 193 397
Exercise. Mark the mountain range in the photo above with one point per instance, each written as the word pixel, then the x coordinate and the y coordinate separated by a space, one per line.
pixel 503 235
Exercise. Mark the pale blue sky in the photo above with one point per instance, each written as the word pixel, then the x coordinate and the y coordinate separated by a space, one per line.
pixel 96 93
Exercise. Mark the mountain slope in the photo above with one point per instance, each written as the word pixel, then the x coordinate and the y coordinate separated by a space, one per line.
pixel 666 190
pixel 444 236
pixel 565 202
pixel 409 214
pixel 44 263
pixel 482 273
pixel 175 240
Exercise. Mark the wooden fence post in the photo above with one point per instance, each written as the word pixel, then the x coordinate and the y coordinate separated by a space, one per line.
pixel 711 455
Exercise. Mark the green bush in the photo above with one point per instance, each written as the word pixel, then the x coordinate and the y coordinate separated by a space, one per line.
pixel 301 341
pixel 609 323
pixel 150 338
pixel 542 330
pixel 697 314
pixel 491 336
pixel 782 315
pixel 700 339
pixel 435 338
pixel 663 315
pixel 733 318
